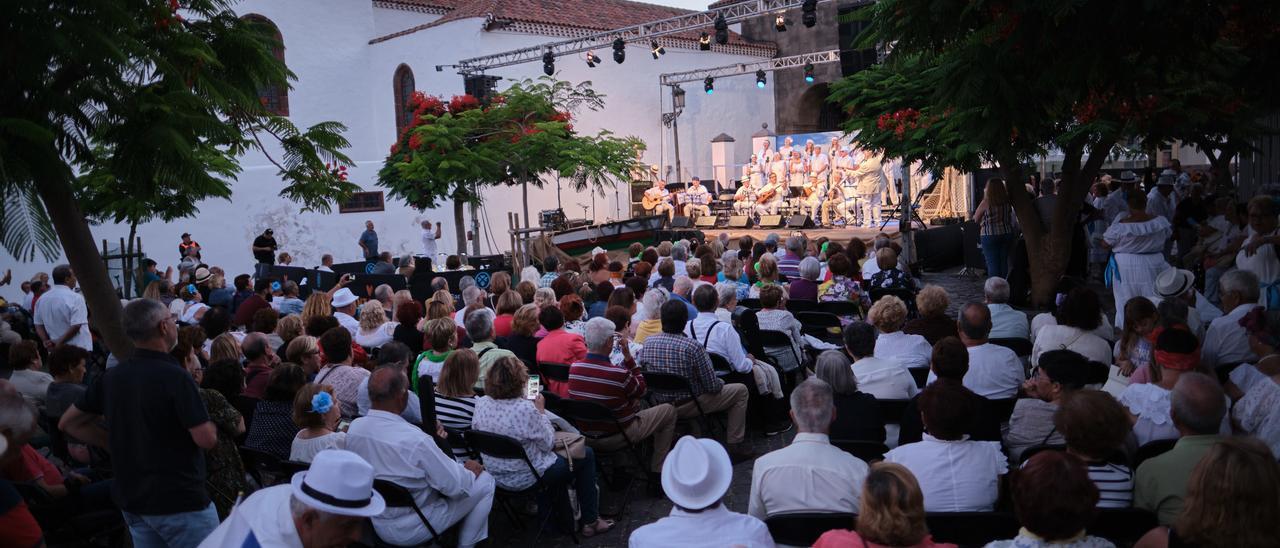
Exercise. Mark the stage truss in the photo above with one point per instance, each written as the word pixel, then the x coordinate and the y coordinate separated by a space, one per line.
pixel 737 69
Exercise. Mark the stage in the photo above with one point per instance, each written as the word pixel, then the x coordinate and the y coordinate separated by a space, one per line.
pixel 837 234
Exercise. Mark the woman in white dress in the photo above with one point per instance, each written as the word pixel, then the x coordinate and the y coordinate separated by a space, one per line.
pixel 778 169
pixel 1258 412
pixel 798 168
pixel 194 308
pixel 1177 352
pixel 1136 242
pixel 1258 254
pixel 755 172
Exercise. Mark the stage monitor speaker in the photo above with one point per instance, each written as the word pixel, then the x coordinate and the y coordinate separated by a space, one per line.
pixel 740 221
pixel 770 221
pixel 940 247
pixel 799 220
pixel 680 221
pixel 705 221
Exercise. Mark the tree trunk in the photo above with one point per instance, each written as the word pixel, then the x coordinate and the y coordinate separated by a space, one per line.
pixel 130 280
pixel 459 223
pixel 105 314
pixel 524 197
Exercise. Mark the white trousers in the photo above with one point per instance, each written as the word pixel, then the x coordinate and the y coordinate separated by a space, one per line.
pixel 744 207
pixel 471 508
pixel 870 208
pixel 665 208
pixel 769 208
pixel 690 209
pixel 813 205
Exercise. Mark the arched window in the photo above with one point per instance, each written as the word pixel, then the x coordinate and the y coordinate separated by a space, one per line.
pixel 403 87
pixel 275 96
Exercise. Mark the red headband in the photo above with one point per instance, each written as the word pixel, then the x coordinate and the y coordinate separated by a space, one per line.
pixel 1177 361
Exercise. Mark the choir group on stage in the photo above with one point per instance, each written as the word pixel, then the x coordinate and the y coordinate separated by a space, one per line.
pixel 841 185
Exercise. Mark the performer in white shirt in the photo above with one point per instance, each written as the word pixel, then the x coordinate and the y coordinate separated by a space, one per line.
pixel 776 190
pixel 870 182
pixel 658 192
pixel 817 189
pixel 786 148
pixel 429 238
pixel 819 164
pixel 778 168
pixel 697 199
pixel 756 171
pixel 839 201
pixel 765 154
pixel 796 170
pixel 744 200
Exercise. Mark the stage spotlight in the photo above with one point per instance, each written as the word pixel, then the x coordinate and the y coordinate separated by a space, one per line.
pixel 760 79
pixel 704 42
pixel 656 49
pixel 722 30
pixel 619 51
pixel 592 59
pixel 808 73
pixel 709 85
pixel 809 13
pixel 548 63
pixel 780 23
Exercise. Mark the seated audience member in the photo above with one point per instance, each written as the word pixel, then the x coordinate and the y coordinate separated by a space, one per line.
pixel 338 372
pixel 810 475
pixel 1231 500
pixel 696 477
pixel 956 474
pixel 408 314
pixel 326 505
pixel 260 299
pixel 265 322
pixel 479 325
pixel 619 388
pixel 766 271
pixel 890 276
pixel 774 316
pixel 27 378
pixel 672 352
pixel 441 338
pixel 683 291
pixel 1094 426
pixel 67 365
pixel 527 287
pixel 520 340
pixel 995 372
pixel 888 315
pixel 558 346
pixel 1077 317
pixel 1257 411
pixel 857 413
pixel 260 359
pixel 727 293
pixel 842 286
pixel 374 330
pixel 446 490
pixel 1225 342
pixel 455 395
pixel 287 329
pixel 304 350
pixel 316 413
pixel 719 337
pixel 949 364
pixel 1197 408
pixel 1054 501
pixel 805 288
pixel 648 320
pixel 1006 322
pixel 508 303
pixel 664 274
pixel 1132 352
pixel 933 324
pixel 17 426
pixel 891 513
pixel 273 428
pixel 505 410
pixel 1148 403
pixel 289 302
pixel 1060 372
pixel 575 313
pixel 883 378
pixel 392 354
pixel 1065 285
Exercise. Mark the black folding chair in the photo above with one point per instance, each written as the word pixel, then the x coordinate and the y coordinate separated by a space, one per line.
pixel 1151 449
pixel 720 364
pixel 1003 408
pixel 397 496
pixel 458 440
pixel 920 374
pixel 892 410
pixel 1033 450
pixel 777 339
pixel 64 524
pixel 554 371
pixel 1123 526
pixel 908 297
pixel 824 326
pixel 843 309
pixel 580 413
pixel 1224 371
pixel 971 528
pixel 499 446
pixel 801 305
pixel 1021 347
pixel 804 529
pixel 868 451
pixel 262 466
pixel 552 401
pixel 290 467
pixel 672 383
pixel 753 304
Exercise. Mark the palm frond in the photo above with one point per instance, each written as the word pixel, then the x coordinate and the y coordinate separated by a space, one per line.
pixel 25 228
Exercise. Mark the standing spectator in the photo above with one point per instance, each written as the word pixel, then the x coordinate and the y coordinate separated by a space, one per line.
pixel 264 248
pixel 1198 408
pixel 933 324
pixel 316 413
pixel 696 477
pixel 1054 501
pixel 810 475
pixel 1137 244
pixel 884 379
pixel 1078 316
pixel 155 428
pixel 368 242
pixel 186 245
pixel 995 372
pixel 888 316
pixel 338 372
pixel 1006 322
pixel 151 273
pixel 892 513
pixel 382 265
pixel 857 413
pixel 429 238
pixel 1095 426
pixel 62 317
pixel 1060 373
pixel 273 428
pixel 224 478
pixel 1225 342
pixel 995 220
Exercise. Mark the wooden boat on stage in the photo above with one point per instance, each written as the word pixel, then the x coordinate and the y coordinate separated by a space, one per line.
pixel 609 236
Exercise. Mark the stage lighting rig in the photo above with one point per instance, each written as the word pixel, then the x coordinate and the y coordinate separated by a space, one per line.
pixel 656 49
pixel 809 13
pixel 592 59
pixel 780 23
pixel 808 73
pixel 619 51
pixel 709 85
pixel 760 79
pixel 548 63
pixel 722 30
pixel 704 42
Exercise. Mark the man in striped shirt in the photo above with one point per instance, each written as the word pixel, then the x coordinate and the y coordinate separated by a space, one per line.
pixel 619 388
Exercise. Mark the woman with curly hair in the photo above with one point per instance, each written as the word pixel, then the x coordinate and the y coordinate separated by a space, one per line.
pixel 891 513
pixel 888 316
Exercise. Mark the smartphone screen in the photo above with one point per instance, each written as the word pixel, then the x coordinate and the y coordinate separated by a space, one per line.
pixel 533 388
pixel 343 425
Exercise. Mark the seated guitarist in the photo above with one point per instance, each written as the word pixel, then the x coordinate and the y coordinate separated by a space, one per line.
pixel 699 199
pixel 817 190
pixel 744 200
pixel 658 200
pixel 771 197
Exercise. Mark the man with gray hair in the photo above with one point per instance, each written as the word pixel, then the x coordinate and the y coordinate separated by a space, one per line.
pixel 810 475
pixel 1006 323
pixel 1198 408
pixel 260 359
pixel 62 317
pixel 470 295
pixel 479 326
pixel 447 491
pixel 383 295
pixel 789 262
pixel 682 290
pixel 618 388
pixel 156 429
pixel 1226 342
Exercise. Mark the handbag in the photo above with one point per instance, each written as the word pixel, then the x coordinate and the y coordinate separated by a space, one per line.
pixel 569 445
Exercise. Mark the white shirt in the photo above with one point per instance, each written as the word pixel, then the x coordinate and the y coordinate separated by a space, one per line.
pixel 995 372
pixel 266 514
pixel 26 300
pixel 1159 204
pixel 715 527
pixel 885 379
pixel 59 310
pixel 1104 330
pixel 722 339
pixel 1225 342
pixel 378 337
pixel 909 350
pixel 810 475
pixel 955 476
pixel 412 410
pixel 1008 323
pixel 305 450
pixel 1062 337
pixel 404 454
pixel 429 243
pixel 351 324
pixel 33 385
pixel 1263 262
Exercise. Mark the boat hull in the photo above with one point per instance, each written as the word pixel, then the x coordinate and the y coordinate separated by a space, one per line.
pixel 609 236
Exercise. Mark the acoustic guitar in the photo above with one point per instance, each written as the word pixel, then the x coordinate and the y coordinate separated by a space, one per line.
pixel 650 202
pixel 767 195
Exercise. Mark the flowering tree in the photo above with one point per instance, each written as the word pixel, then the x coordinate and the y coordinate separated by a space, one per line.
pixel 451 151
pixel 999 82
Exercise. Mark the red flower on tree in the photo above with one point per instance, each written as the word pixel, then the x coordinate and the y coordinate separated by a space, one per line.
pixel 462 103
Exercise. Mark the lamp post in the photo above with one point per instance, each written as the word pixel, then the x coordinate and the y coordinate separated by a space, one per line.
pixel 669 119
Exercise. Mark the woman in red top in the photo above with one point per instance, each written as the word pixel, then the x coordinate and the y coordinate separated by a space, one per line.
pixel 559 346
pixel 508 303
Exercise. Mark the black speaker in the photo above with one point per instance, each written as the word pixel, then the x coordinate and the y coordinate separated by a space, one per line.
pixel 770 221
pixel 799 220
pixel 940 248
pixel 680 221
pixel 740 221
pixel 705 221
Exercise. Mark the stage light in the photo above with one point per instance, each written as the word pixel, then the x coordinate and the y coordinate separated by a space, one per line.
pixel 809 13
pixel 722 30
pixel 704 42
pixel 592 59
pixel 760 79
pixel 709 85
pixel 780 23
pixel 808 73
pixel 656 49
pixel 548 63
pixel 619 51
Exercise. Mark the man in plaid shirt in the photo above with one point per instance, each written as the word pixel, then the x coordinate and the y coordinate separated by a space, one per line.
pixel 673 352
pixel 551 267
